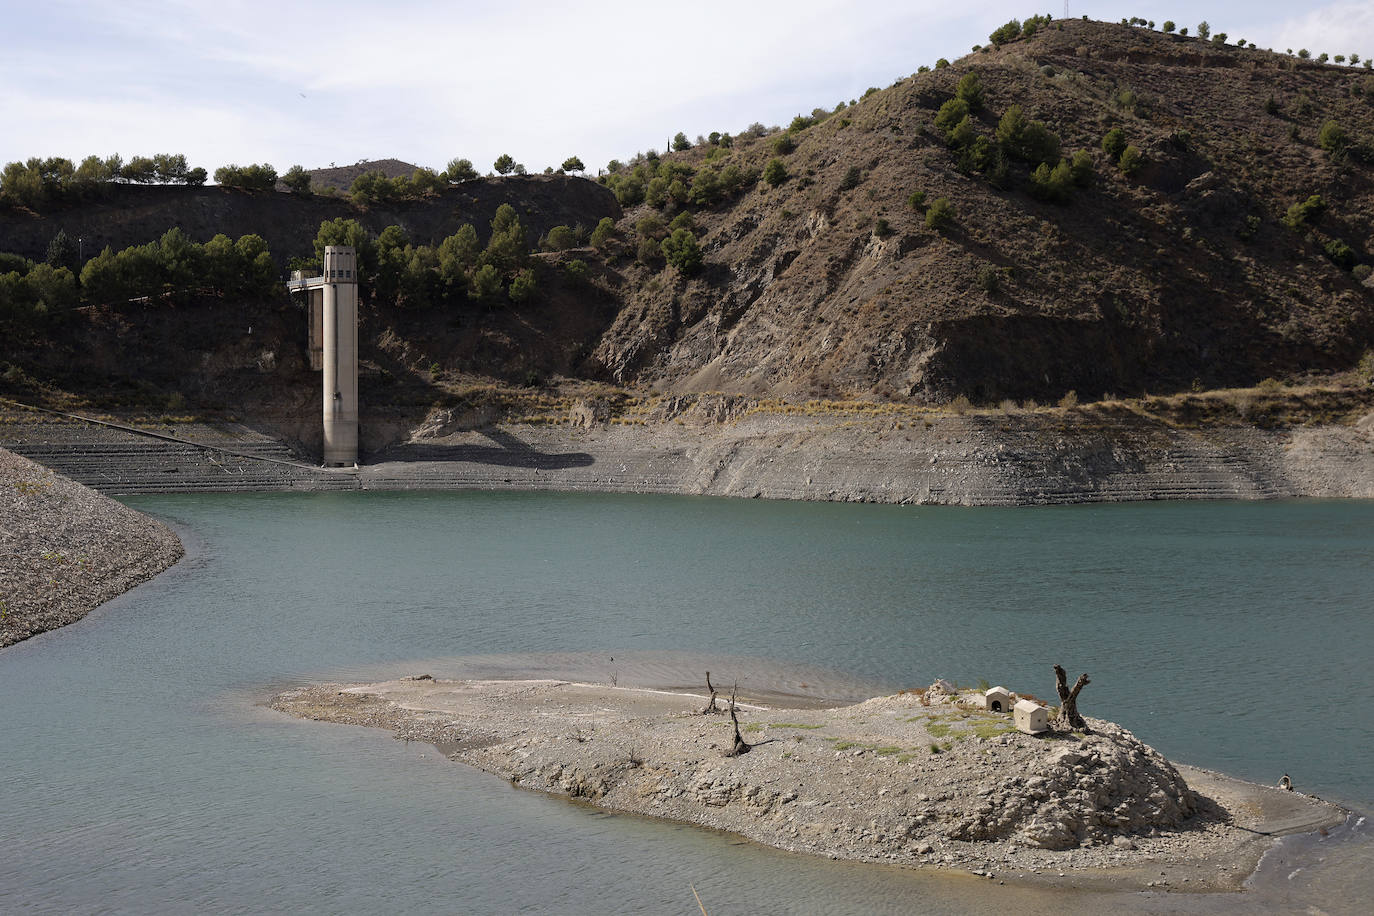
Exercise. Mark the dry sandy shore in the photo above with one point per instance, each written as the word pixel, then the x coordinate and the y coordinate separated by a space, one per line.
pixel 889 780
pixel 65 549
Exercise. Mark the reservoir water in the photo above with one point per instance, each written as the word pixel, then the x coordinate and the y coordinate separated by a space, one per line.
pixel 140 772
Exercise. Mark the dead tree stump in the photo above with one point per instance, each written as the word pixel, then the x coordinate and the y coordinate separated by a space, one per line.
pixel 1069 718
pixel 711 709
pixel 740 746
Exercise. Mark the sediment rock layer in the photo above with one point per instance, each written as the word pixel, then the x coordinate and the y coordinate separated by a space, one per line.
pixel 859 456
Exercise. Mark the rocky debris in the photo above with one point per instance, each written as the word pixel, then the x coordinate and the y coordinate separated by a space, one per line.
pixel 65 549
pixel 1106 786
pixel 888 780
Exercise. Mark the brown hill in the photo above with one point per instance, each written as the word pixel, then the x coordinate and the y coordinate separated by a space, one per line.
pixel 341 178
pixel 1180 275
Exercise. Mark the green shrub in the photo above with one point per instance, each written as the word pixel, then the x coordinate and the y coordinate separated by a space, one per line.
pixel 783 144
pixel 1006 32
pixel 881 228
pixel 460 170
pixel 648 252
pixel 1082 168
pixel 603 232
pixel 941 64
pixel 524 287
pixel 1053 184
pixel 916 200
pixel 576 270
pixel 1131 160
pixel 682 251
pixel 1304 213
pixel 504 164
pixel 486 283
pixel 680 142
pixel 297 180
pixel 940 213
pixel 560 238
pixel 1203 29
pixel 1026 139
pixel 1361 272
pixel 573 164
pixel 248 177
pixel 1332 137
pixel 950 114
pixel 970 91
pixel 1341 254
pixel 775 172
pixel 963 133
pixel 1114 143
pixel 851 179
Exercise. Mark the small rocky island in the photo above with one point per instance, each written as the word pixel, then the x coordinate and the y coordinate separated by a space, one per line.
pixel 918 778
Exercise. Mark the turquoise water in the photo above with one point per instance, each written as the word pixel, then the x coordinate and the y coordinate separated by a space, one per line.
pixel 140 772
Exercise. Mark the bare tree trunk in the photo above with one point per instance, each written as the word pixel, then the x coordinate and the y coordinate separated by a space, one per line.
pixel 1068 700
pixel 740 746
pixel 711 707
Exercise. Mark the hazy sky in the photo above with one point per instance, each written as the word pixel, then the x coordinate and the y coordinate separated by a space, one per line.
pixel 315 83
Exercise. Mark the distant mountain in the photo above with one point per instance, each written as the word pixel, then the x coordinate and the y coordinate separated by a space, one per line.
pixel 341 177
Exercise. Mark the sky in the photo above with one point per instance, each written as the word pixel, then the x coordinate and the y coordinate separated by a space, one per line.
pixel 332 83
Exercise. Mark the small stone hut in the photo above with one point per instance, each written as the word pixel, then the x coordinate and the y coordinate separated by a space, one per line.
pixel 1031 717
pixel 998 699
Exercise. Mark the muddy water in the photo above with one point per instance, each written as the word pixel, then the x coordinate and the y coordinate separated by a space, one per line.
pixel 141 775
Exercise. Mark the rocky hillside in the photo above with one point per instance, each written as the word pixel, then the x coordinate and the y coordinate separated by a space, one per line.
pixel 1181 274
pixel 823 273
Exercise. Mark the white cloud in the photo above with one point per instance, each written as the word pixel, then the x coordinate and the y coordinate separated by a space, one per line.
pixel 318 82
pixel 1337 28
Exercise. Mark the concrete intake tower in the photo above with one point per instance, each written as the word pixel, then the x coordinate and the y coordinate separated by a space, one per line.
pixel 333 303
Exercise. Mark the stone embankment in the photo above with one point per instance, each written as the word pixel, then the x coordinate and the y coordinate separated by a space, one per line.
pixel 65 549
pixel 859 455
pixel 916 779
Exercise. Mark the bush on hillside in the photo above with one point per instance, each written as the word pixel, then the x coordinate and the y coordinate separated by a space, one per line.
pixel 249 177
pixel 950 114
pixel 1305 213
pixel 970 91
pixel 460 170
pixel 1131 160
pixel 1341 254
pixel 1114 143
pixel 603 233
pixel 775 172
pixel 524 287
pixel 682 251
pixel 1006 32
pixel 297 180
pixel 940 213
pixel 1332 137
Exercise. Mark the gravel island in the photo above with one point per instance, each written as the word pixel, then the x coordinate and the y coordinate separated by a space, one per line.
pixel 919 779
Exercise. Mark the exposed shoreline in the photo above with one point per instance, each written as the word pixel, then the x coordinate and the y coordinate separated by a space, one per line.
pixel 726 447
pixel 67 549
pixel 859 782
